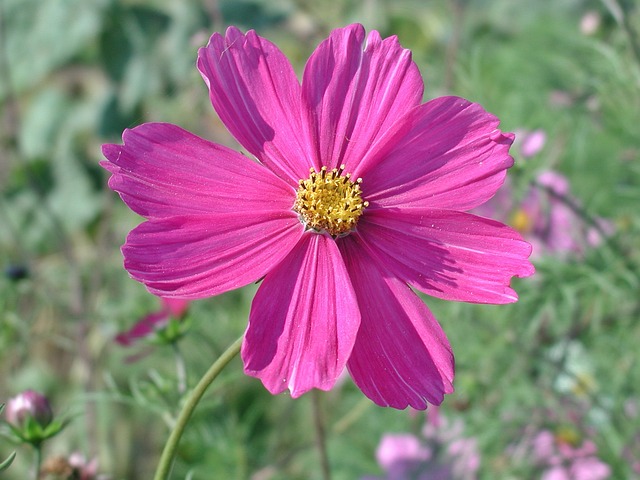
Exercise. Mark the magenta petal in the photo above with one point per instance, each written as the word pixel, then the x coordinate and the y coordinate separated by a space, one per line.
pixel 449 154
pixel 303 320
pixel 142 328
pixel 162 170
pixel 177 307
pixel 401 356
pixel 254 90
pixel 355 90
pixel 199 256
pixel 447 254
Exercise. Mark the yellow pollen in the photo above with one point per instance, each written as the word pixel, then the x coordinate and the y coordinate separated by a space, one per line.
pixel 568 435
pixel 330 201
pixel 521 221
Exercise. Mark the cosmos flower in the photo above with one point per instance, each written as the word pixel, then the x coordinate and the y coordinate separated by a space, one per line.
pixel 357 192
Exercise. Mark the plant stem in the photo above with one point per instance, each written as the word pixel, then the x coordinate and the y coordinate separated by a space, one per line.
pixel 181 368
pixel 352 416
pixel 321 440
pixel 166 459
pixel 38 462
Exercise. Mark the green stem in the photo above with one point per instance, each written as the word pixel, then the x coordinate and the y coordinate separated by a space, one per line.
pixel 170 448
pixel 181 368
pixel 321 440
pixel 38 462
pixel 352 416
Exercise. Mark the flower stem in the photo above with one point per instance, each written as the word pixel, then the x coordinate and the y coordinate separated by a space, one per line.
pixel 38 461
pixel 321 439
pixel 166 459
pixel 181 368
pixel 352 416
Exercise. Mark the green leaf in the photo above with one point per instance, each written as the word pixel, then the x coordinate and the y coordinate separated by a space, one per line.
pixel 4 465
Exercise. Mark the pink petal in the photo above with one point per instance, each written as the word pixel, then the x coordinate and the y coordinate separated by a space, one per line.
pixel 401 356
pixel 198 256
pixel 446 254
pixel 142 328
pixel 446 154
pixel 397 449
pixel 254 90
pixel 175 306
pixel 355 90
pixel 532 143
pixel 303 320
pixel 171 307
pixel 162 170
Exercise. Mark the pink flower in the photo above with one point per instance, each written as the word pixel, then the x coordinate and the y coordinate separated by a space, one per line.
pixel 531 143
pixel 554 223
pixel 401 454
pixel 441 453
pixel 564 460
pixel 547 216
pixel 74 467
pixel 83 469
pixel 171 308
pixel 358 191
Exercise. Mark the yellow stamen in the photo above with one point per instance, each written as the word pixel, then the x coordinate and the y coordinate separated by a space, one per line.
pixel 329 201
pixel 521 221
pixel 568 435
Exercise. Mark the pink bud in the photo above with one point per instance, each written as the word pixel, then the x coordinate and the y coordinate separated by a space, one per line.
pixel 28 404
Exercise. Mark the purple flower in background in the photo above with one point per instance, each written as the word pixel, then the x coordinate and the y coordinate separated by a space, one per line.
pixel 530 143
pixel 440 453
pixel 555 225
pixel 402 455
pixel 564 457
pixel 547 216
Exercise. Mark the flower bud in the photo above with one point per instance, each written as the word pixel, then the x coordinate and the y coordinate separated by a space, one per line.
pixel 29 404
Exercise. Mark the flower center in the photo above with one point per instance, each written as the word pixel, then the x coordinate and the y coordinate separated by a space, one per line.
pixel 521 221
pixel 329 201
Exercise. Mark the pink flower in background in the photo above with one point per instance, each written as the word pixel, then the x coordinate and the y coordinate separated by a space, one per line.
pixel 83 469
pixel 358 192
pixel 562 460
pixel 531 143
pixel 554 225
pixel 74 467
pixel 545 216
pixel 171 308
pixel 400 455
pixel 441 453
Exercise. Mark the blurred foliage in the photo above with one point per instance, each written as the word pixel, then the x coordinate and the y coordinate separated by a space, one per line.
pixel 75 73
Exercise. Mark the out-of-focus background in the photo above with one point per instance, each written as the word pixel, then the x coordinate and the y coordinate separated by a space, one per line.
pixel 547 386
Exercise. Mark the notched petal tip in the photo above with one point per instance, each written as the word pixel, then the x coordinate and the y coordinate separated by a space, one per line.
pixel 303 321
pixel 255 92
pixel 111 151
pixel 401 357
